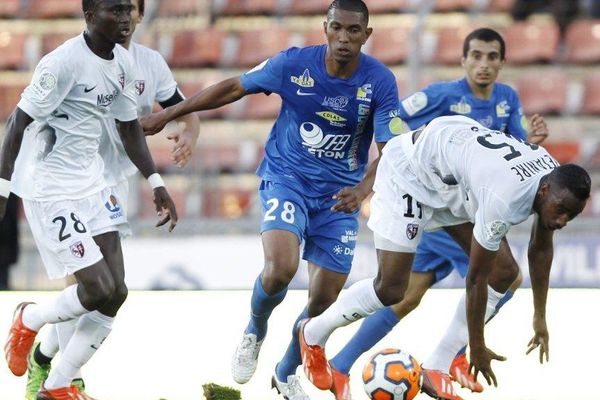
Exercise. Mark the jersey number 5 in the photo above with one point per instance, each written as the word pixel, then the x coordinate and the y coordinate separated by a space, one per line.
pixel 514 153
pixel 77 226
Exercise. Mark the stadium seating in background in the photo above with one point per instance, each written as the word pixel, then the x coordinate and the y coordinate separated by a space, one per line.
pixel 256 106
pixel 190 88
pixel 196 48
pixel 178 186
pixel 449 45
pixel 10 8
pixel 544 93
pixel 245 7
pixel 315 36
pixel 242 155
pixel 256 45
pixel 227 202
pixel 52 40
pixel 182 8
pixel 305 7
pixel 453 5
pixel 10 94
pixel 565 151
pixel 389 45
pixel 530 41
pixel 46 9
pixel 582 40
pixel 591 95
pixel 386 6
pixel 12 50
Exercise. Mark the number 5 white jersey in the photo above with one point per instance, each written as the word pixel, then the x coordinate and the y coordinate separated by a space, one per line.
pixel 477 174
pixel 74 91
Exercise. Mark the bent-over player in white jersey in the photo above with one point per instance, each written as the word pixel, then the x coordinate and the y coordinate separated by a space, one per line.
pixel 475 183
pixel 154 82
pixel 72 215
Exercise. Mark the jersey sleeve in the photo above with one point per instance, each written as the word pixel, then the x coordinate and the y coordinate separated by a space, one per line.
pixel 491 220
pixel 166 84
pixel 51 83
pixel 421 107
pixel 124 108
pixel 267 76
pixel 386 123
pixel 517 122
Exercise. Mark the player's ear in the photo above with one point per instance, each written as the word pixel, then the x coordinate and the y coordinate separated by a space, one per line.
pixel 368 32
pixel 462 61
pixel 325 27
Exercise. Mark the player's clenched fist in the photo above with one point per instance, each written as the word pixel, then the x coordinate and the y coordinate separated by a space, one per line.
pixel 153 123
pixel 165 208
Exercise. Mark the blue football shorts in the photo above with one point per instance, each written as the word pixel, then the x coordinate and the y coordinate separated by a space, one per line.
pixel 329 237
pixel 437 252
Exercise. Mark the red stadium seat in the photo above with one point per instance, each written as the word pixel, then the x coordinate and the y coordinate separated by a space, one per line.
pixel 307 7
pixel 12 50
pixel 10 8
pixel 565 151
pixel 196 48
pixel 591 95
pixel 241 156
pixel 191 88
pixel 247 7
pixel 389 45
pixel 543 92
pixel 501 5
pixel 51 41
pixel 386 6
pixel 530 42
pixel 257 106
pixel 182 8
pixel 54 9
pixel 10 94
pixel 582 40
pixel 315 37
pixel 453 5
pixel 255 46
pixel 449 46
pixel 227 202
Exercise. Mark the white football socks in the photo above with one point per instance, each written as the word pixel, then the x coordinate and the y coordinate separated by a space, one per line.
pixel 64 307
pixel 354 303
pixel 49 345
pixel 457 334
pixel 92 329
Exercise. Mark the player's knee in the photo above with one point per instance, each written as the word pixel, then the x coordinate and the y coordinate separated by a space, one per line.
pixel 277 277
pixel 407 305
pixel 389 295
pixel 318 304
pixel 97 293
pixel 120 295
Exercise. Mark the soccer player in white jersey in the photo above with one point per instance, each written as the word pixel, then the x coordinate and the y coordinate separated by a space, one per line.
pixel 154 83
pixel 73 217
pixel 475 183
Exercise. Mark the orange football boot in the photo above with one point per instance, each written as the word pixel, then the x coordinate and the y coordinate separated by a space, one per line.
pixel 438 385
pixel 315 363
pixel 341 385
pixel 65 393
pixel 19 342
pixel 459 372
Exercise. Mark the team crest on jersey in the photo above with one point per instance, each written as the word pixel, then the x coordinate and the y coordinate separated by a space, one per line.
pixel 338 103
pixel 140 85
pixel 462 107
pixel 502 109
pixel 303 80
pixel 122 80
pixel 77 249
pixel 412 230
pixel 364 93
pixel 487 121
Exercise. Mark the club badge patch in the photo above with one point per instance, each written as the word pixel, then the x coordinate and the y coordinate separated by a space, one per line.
pixel 77 249
pixel 412 230
pixel 140 85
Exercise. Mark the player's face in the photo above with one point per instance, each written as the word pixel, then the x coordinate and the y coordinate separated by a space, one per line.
pixel 136 17
pixel 112 20
pixel 558 208
pixel 483 62
pixel 346 32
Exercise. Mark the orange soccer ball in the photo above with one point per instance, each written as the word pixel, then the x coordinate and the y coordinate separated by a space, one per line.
pixel 392 374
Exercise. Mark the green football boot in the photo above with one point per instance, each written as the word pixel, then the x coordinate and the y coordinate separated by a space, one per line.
pixel 36 375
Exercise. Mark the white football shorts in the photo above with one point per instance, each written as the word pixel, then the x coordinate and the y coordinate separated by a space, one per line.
pixel 64 230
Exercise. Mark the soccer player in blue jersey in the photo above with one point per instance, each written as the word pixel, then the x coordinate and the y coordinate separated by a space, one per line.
pixel 495 106
pixel 335 99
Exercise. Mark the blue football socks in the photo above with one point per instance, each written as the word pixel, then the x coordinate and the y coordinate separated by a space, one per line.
pixel 291 360
pixel 261 307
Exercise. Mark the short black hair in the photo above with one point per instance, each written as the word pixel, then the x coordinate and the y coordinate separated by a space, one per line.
pixel 573 178
pixel 141 6
pixel 486 35
pixel 350 5
pixel 88 5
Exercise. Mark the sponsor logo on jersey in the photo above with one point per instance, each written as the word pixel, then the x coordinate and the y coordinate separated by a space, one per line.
pixel 112 205
pixel 462 107
pixel 415 103
pixel 140 85
pixel 412 230
pixel 363 116
pixel 303 80
pixel 396 126
pixel 105 100
pixel 321 145
pixel 364 93
pixel 299 92
pixel 333 118
pixel 77 249
pixel 258 67
pixel 122 80
pixel 338 103
pixel 339 250
pixel 495 230
pixel 502 109
pixel 87 90
pixel 349 236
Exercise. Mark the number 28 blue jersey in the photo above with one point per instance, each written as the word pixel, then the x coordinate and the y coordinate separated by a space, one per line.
pixel 321 138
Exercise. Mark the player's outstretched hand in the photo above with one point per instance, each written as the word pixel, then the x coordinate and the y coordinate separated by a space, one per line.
pixel 3 202
pixel 153 123
pixel 540 339
pixel 538 131
pixel 165 208
pixel 348 199
pixel 183 145
pixel 481 360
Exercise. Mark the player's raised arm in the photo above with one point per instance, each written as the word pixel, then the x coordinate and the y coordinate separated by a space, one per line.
pixel 11 145
pixel 540 256
pixel 214 96
pixel 136 147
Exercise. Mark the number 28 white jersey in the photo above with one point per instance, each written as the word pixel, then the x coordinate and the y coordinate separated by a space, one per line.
pixel 485 175
pixel 74 92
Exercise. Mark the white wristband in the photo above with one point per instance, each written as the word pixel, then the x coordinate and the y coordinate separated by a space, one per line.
pixel 4 188
pixel 155 181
